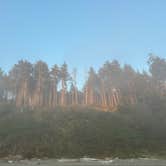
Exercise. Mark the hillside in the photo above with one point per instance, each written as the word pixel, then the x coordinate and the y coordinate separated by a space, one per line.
pixel 77 132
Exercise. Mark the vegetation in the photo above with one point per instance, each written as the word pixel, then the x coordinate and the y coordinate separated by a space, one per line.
pixel 75 132
pixel 119 112
pixel 36 86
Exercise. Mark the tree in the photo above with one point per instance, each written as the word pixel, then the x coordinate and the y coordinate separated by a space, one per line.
pixel 91 88
pixel 1 84
pixel 41 91
pixel 65 77
pixel 128 85
pixel 73 88
pixel 157 67
pixel 110 82
pixel 20 75
pixel 54 80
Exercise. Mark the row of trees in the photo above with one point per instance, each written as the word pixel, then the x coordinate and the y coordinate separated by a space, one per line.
pixel 35 85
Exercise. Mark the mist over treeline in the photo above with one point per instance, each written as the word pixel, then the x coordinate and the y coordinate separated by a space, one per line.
pixel 33 86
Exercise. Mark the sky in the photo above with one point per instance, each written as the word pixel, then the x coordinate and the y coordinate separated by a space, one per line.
pixel 82 33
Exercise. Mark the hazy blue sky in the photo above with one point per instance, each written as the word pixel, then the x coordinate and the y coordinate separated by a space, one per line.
pixel 81 32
